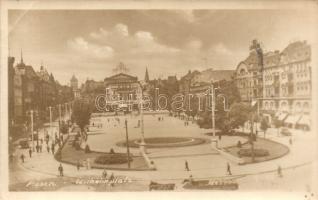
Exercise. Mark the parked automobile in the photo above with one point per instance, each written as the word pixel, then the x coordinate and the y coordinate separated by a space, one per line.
pixel 24 144
pixel 285 131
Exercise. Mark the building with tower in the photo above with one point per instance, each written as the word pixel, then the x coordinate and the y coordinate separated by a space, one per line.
pixel 146 76
pixel 74 86
pixel 249 74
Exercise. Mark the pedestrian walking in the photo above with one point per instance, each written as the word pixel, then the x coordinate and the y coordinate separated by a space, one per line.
pixel 78 165
pixel 53 148
pixel 279 172
pixel 186 166
pixel 111 178
pixel 37 147
pixel 220 136
pixel 40 147
pixel 22 158
pixel 104 175
pixel 48 148
pixel 191 179
pixel 60 168
pixel 30 153
pixel 229 169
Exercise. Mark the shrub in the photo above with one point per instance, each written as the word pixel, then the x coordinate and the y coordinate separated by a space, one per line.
pixel 87 149
pixel 76 145
pixel 257 152
pixel 239 144
pixel 108 159
pixel 111 151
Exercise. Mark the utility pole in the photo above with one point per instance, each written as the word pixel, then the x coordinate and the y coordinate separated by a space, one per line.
pixel 252 137
pixel 213 109
pixel 127 144
pixel 32 131
pixel 50 109
pixel 142 144
pixel 60 120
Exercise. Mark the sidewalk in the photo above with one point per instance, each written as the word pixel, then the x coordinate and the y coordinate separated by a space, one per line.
pixel 45 163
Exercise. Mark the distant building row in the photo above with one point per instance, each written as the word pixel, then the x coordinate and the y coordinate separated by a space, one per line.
pixel 31 90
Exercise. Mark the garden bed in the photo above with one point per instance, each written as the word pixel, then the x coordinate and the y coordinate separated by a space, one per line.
pixel 68 154
pixel 165 142
pixel 274 149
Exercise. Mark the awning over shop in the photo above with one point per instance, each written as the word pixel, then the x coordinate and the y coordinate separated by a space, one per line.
pixel 292 119
pixel 304 120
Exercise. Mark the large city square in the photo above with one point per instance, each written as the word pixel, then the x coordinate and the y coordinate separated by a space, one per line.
pixel 131 107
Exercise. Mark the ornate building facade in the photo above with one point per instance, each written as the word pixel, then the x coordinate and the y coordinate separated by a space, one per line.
pixel 122 90
pixel 248 74
pixel 287 84
pixel 284 91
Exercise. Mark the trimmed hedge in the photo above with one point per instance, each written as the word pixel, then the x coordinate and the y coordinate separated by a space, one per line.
pixel 108 159
pixel 257 152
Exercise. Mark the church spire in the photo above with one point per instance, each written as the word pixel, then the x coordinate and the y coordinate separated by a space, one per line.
pixel 146 75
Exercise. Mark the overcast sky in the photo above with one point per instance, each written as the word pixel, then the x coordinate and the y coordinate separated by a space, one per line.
pixel 90 44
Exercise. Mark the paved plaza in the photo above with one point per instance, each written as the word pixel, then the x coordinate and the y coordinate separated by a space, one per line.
pixel 204 162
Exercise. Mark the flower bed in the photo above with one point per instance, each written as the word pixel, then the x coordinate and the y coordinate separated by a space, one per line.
pixel 109 159
pixel 248 152
pixel 70 155
pixel 164 142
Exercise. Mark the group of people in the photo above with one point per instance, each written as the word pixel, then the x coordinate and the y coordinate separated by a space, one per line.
pixel 50 147
pixel 186 123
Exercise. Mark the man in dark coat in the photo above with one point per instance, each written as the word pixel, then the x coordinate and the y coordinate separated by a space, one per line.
pixel 30 152
pixel 186 166
pixel 60 168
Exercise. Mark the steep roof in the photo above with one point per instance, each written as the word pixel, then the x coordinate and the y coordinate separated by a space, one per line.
pixel 296 51
pixel 73 79
pixel 271 59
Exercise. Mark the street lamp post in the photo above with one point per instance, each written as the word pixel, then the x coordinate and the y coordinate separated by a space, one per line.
pixel 142 144
pixel 214 140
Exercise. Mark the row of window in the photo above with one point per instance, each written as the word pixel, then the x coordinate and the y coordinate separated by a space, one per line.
pixel 302 86
pixel 285 105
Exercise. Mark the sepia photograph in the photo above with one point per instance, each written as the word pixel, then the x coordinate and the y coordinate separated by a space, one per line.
pixel 159 100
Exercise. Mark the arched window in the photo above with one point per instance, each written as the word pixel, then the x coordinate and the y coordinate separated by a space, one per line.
pixel 272 105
